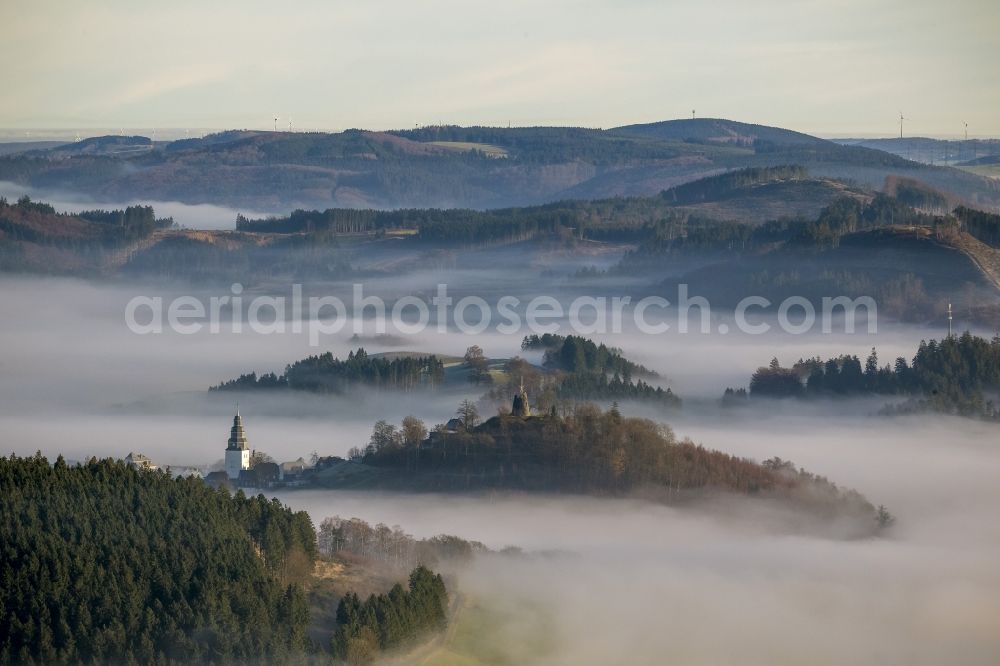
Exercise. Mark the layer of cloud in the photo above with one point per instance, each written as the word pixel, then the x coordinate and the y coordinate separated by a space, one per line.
pixel 623 581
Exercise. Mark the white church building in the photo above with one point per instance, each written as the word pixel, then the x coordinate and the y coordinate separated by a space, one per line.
pixel 237 452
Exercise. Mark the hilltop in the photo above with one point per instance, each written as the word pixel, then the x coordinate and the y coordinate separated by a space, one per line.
pixel 455 167
pixel 719 131
pixel 583 450
pixel 35 238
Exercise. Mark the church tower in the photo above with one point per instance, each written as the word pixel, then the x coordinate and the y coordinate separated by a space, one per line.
pixel 520 407
pixel 237 453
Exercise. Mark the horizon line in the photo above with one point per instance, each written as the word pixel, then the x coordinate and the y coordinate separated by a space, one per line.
pixel 13 134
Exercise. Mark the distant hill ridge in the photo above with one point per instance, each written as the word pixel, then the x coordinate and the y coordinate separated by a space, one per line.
pixel 456 167
pixel 718 130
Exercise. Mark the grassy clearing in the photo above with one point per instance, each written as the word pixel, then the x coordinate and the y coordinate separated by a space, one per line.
pixel 485 634
pixel 394 355
pixel 988 170
pixel 332 578
pixel 498 375
pixel 466 146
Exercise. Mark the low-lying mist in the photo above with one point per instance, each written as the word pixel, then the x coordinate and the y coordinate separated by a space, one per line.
pixel 190 216
pixel 607 581
pixel 626 581
pixel 70 359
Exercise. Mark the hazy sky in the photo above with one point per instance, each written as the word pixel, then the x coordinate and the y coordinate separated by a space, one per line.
pixel 821 66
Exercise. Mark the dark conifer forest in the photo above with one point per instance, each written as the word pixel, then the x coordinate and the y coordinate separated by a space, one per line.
pixel 383 621
pixel 105 564
pixel 325 374
pixel 959 374
pixel 102 563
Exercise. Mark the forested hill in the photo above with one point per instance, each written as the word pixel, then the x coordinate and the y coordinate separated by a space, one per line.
pixel 910 261
pixel 454 167
pixel 715 130
pixel 576 354
pixel 959 374
pixel 751 195
pixel 35 238
pixel 325 374
pixel 585 450
pixel 105 564
pixel 776 231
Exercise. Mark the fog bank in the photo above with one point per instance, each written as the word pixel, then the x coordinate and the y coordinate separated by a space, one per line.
pixel 633 582
pixel 621 581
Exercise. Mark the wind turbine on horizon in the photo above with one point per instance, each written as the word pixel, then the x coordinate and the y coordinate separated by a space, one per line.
pixel 901 119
